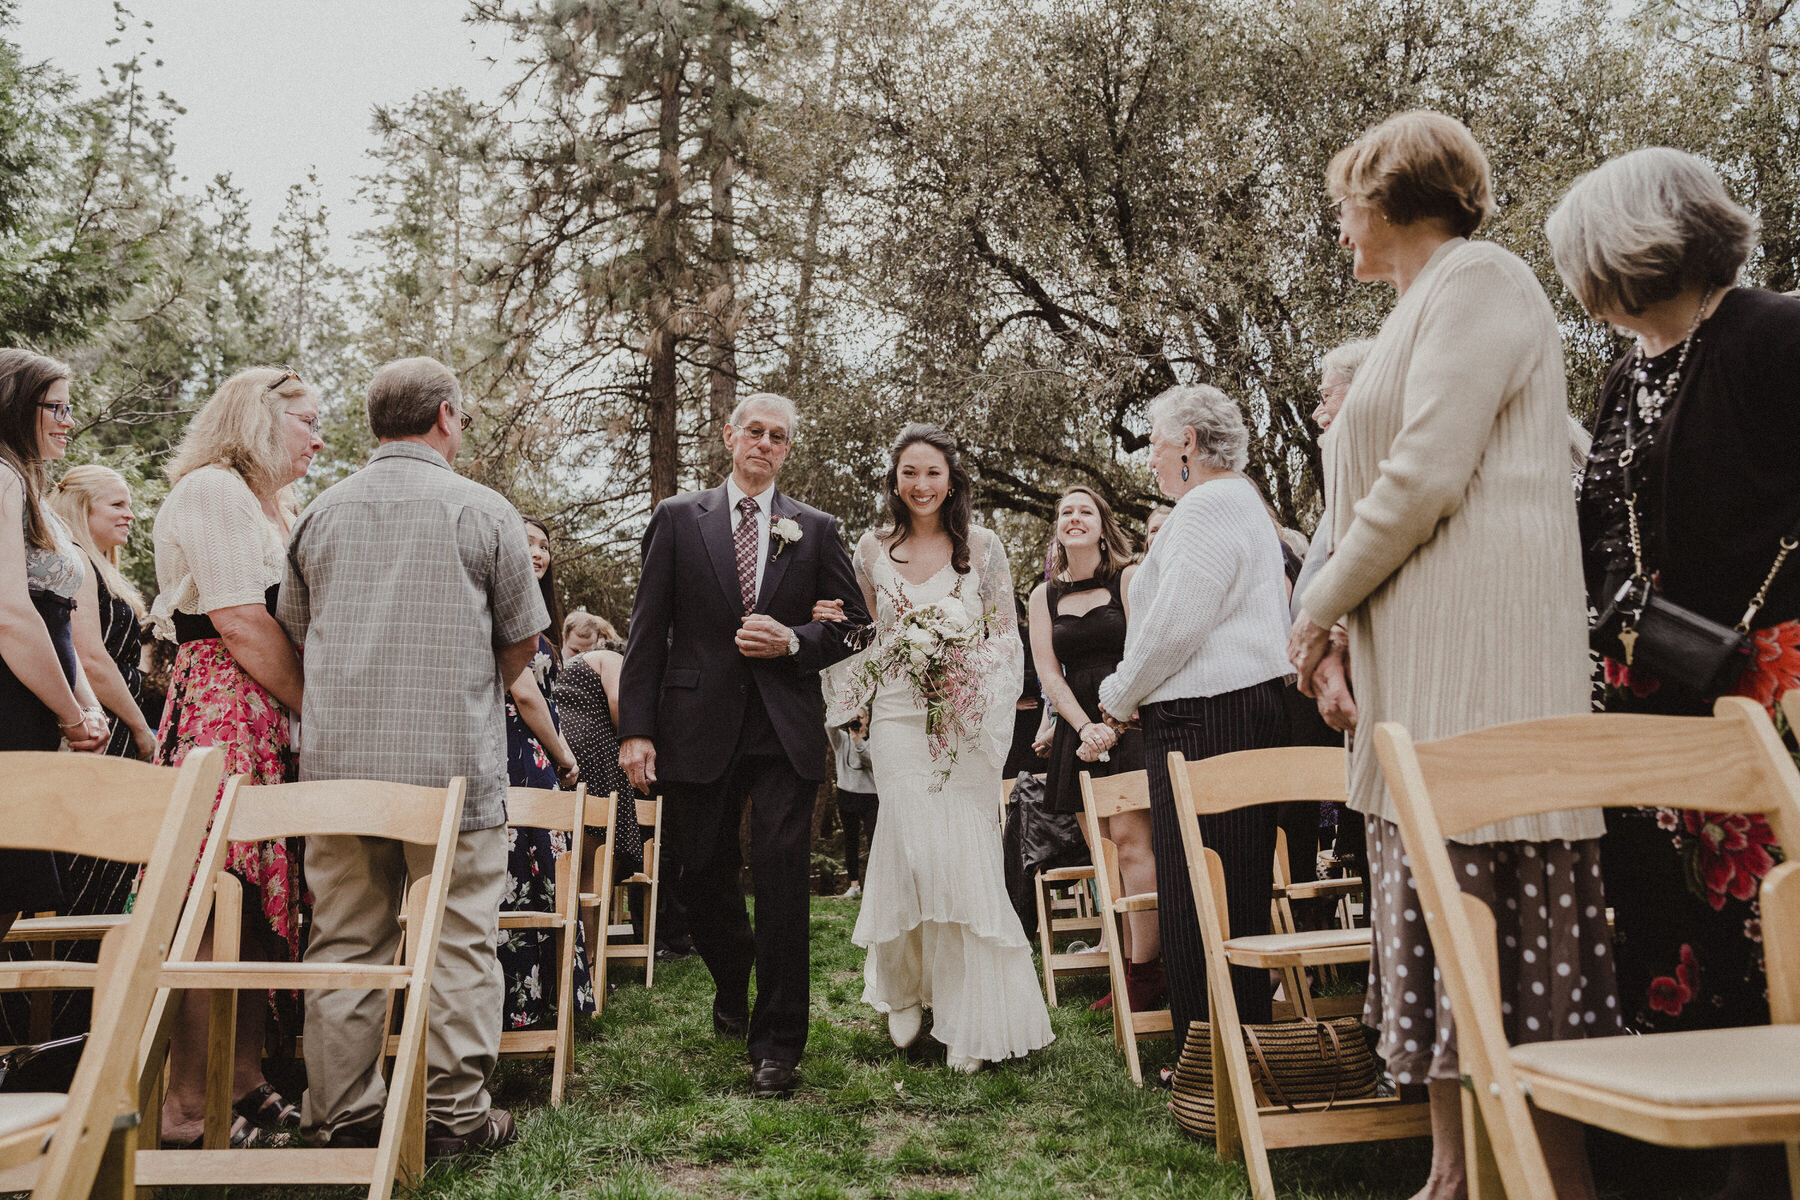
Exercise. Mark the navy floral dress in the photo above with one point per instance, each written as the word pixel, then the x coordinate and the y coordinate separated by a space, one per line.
pixel 528 957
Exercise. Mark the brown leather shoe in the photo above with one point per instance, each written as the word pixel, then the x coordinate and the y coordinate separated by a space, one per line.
pixel 497 1131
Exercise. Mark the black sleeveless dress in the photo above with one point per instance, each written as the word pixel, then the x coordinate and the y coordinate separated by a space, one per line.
pixel 1089 647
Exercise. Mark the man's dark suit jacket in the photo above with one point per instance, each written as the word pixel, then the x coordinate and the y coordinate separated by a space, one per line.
pixel 684 684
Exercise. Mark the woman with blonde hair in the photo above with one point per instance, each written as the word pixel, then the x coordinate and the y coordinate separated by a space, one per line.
pixel 221 553
pixel 95 503
pixel 1455 583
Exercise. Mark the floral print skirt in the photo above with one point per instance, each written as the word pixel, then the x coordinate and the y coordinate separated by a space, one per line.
pixel 1683 883
pixel 214 702
pixel 528 957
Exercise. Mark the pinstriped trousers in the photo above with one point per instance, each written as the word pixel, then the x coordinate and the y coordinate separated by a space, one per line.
pixel 1252 718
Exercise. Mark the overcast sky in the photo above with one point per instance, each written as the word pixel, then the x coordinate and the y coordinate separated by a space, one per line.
pixel 274 88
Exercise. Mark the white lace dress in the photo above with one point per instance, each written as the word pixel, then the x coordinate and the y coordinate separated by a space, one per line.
pixel 935 918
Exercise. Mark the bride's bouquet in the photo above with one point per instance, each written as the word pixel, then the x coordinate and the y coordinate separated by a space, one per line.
pixel 937 649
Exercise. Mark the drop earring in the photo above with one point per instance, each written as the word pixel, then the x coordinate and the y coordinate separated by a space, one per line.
pixel 1184 469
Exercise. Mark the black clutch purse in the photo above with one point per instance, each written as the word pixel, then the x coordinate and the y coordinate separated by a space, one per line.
pixel 1677 645
pixel 1641 628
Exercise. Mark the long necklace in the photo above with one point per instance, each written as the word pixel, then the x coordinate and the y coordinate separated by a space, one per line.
pixel 1652 397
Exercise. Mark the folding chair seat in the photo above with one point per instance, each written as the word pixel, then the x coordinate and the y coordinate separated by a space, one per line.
pixel 83 1143
pixel 565 813
pixel 603 899
pixel 1101 800
pixel 1720 1087
pixel 250 813
pixel 1247 1126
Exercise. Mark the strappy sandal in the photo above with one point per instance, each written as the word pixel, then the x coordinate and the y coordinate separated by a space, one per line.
pixel 244 1136
pixel 264 1106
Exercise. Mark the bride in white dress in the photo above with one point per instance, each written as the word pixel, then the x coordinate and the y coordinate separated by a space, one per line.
pixel 935 920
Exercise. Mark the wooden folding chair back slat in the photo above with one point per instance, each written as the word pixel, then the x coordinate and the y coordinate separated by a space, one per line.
pixel 610 939
pixel 564 813
pixel 1730 762
pixel 1246 1128
pixel 1103 799
pixel 1790 708
pixel 246 812
pixel 133 813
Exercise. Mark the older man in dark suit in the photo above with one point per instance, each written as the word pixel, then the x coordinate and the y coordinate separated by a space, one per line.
pixel 720 704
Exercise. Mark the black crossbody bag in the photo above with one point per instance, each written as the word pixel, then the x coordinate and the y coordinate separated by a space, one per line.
pixel 1642 628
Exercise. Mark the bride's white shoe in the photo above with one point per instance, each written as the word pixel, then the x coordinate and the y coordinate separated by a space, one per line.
pixel 904 1025
pixel 961 1065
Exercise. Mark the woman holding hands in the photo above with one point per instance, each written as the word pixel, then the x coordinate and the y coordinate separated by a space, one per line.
pixel 44 695
pixel 1078 620
pixel 1455 574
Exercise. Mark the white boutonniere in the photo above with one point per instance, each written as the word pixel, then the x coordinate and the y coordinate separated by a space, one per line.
pixel 785 530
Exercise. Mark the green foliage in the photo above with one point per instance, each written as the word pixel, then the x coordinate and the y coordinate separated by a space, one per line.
pixel 1019 222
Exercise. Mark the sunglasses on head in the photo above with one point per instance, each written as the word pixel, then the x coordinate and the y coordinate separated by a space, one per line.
pixel 287 373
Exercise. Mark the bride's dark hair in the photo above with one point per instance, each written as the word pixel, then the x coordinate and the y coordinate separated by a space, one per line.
pixel 956 507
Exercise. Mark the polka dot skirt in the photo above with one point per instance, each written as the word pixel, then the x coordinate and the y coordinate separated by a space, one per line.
pixel 1556 968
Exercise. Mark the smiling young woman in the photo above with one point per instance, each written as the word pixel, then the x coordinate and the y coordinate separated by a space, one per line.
pixel 44 695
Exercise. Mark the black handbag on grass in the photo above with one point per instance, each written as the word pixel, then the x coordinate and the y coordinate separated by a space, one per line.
pixel 45 1067
pixel 1292 1062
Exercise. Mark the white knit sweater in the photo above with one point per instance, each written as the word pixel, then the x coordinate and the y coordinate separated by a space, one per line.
pixel 1208 604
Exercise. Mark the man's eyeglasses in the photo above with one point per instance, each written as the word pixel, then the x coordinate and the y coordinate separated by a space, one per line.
pixel 311 423
pixel 756 433
pixel 64 412
pixel 465 419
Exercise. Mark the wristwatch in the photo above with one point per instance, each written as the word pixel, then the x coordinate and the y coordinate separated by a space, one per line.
pixel 793 643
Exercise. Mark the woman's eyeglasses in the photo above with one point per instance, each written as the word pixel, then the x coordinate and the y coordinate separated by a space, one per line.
pixel 287 373
pixel 311 423
pixel 64 412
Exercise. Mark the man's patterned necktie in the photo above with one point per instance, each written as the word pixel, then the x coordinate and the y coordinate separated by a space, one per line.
pixel 745 541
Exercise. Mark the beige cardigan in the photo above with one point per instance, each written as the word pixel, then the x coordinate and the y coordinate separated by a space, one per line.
pixel 1456 564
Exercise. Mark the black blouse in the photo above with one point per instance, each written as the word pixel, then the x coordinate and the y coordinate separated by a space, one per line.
pixel 1717 476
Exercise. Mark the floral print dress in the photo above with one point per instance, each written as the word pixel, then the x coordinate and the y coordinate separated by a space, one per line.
pixel 1692 958
pixel 528 957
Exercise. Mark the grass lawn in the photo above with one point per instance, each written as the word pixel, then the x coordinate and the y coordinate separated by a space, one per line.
pixel 659 1107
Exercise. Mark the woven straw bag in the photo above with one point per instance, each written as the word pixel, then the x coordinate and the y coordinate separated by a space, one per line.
pixel 1291 1062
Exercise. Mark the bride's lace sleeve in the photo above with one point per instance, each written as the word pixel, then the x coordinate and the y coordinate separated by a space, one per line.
pixel 845 693
pixel 1004 675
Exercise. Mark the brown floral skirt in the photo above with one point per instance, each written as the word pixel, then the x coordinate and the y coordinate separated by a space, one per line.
pixel 1556 967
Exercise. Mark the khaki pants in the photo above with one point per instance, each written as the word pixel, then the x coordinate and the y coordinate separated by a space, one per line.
pixel 356 884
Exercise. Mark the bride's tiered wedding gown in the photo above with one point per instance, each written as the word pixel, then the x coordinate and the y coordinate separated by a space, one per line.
pixel 935 920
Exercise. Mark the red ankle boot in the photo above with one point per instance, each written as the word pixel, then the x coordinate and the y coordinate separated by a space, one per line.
pixel 1145 984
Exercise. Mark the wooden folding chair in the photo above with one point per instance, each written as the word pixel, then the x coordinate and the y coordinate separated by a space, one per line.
pixel 1716 1087
pixel 1790 708
pixel 1065 908
pixel 556 812
pixel 1248 1127
pixel 249 813
pixel 1296 982
pixel 610 940
pixel 1103 799
pixel 84 1143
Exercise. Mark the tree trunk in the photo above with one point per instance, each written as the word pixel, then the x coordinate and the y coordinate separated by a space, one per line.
pixel 665 448
pixel 722 304
pixel 809 246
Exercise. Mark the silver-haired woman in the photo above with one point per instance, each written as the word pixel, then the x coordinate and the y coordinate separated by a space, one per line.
pixel 1204 667
pixel 1652 243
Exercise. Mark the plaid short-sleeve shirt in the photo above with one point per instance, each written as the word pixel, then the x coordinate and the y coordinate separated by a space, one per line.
pixel 402 583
